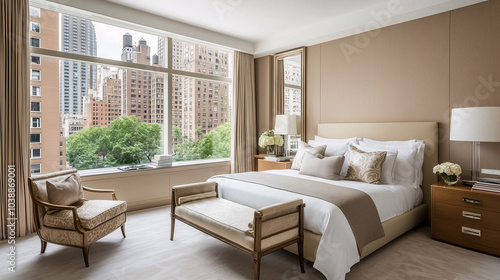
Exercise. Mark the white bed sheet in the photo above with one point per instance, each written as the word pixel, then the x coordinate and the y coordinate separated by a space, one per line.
pixel 337 250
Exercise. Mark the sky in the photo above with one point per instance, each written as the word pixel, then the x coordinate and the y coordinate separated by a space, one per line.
pixel 110 40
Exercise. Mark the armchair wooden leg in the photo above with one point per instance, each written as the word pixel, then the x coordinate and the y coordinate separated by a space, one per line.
pixel 86 255
pixel 256 268
pixel 301 256
pixel 123 231
pixel 172 226
pixel 44 246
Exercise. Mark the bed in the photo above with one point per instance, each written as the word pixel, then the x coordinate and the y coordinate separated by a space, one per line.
pixel 331 245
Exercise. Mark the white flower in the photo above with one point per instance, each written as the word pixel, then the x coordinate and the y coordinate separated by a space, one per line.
pixel 268 138
pixel 447 168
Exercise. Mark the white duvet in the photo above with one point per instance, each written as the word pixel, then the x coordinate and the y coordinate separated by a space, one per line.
pixel 337 250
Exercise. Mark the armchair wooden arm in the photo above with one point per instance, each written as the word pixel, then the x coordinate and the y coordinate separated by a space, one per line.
pixel 76 218
pixel 112 192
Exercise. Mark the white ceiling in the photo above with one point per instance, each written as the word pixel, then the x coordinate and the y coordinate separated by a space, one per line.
pixel 271 26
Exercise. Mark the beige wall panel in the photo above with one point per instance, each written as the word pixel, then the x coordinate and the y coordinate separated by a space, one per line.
pixel 139 190
pixel 201 175
pixel 475 72
pixel 150 188
pixel 263 93
pixel 398 73
pixel 313 90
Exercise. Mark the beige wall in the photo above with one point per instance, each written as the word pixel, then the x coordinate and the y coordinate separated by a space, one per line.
pixel 414 71
pixel 151 188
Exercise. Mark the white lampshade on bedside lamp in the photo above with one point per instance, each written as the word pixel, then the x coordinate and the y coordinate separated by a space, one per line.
pixel 476 124
pixel 287 125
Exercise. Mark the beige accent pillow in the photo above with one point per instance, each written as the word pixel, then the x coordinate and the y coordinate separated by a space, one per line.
pixel 65 192
pixel 365 166
pixel 303 149
pixel 323 167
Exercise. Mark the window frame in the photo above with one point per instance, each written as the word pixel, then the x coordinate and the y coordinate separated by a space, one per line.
pixel 39 106
pixel 36 63
pixel 39 75
pixel 39 168
pixel 39 138
pixel 39 91
pixel 39 42
pixel 32 153
pixel 39 122
pixel 37 24
pixel 167 70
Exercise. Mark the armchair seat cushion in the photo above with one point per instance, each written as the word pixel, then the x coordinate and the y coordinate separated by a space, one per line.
pixel 92 213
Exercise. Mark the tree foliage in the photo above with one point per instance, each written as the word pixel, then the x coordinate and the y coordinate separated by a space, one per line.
pixel 129 141
pixel 125 141
pixel 215 144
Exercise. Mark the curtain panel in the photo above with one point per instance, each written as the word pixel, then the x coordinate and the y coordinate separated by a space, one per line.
pixel 244 135
pixel 15 204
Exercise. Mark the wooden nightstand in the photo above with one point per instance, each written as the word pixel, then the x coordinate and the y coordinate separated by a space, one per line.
pixel 263 165
pixel 465 217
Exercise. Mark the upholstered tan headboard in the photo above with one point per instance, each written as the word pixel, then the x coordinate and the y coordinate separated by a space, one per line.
pixel 400 131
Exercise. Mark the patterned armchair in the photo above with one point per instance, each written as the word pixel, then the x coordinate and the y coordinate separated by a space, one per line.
pixel 77 224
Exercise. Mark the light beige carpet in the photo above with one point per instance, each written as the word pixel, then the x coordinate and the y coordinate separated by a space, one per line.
pixel 147 253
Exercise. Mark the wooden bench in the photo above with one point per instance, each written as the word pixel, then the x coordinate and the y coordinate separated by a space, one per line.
pixel 255 232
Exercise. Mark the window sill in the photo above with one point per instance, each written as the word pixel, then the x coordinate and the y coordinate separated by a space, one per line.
pixel 176 166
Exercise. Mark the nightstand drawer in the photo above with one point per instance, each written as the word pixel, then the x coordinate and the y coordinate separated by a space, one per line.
pixel 263 165
pixel 482 239
pixel 471 199
pixel 467 215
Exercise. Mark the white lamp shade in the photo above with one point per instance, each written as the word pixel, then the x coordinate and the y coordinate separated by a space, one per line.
pixel 480 124
pixel 287 125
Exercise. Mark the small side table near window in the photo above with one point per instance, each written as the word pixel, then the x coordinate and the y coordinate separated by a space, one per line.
pixel 466 217
pixel 260 164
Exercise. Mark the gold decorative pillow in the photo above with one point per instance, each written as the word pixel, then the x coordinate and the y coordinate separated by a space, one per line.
pixel 301 152
pixel 64 192
pixel 365 166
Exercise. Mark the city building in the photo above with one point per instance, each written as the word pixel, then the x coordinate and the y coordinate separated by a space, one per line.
pixel 136 85
pixel 47 147
pixel 96 112
pixel 77 36
pixel 198 106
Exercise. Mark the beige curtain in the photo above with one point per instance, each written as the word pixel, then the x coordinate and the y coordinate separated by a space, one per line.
pixel 14 117
pixel 244 138
pixel 279 91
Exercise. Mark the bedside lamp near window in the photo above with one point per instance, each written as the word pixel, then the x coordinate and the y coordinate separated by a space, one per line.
pixel 287 125
pixel 476 124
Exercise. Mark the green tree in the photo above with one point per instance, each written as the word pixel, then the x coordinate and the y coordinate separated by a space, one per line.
pixel 125 141
pixel 88 148
pixel 133 141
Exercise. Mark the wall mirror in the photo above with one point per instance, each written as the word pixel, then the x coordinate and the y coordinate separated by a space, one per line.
pixel 289 91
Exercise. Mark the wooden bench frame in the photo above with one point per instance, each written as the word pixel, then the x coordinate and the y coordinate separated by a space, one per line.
pixel 257 251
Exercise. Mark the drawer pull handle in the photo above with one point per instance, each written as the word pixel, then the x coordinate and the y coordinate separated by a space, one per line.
pixel 471 200
pixel 471 231
pixel 471 215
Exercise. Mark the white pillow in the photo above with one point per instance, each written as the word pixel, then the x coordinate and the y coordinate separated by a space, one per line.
pixel 335 149
pixel 419 144
pixel 302 150
pixel 330 140
pixel 332 149
pixel 389 162
pixel 405 170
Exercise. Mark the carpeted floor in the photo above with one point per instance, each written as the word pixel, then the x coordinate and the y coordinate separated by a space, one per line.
pixel 147 253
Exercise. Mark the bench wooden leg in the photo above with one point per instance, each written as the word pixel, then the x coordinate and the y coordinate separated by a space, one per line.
pixel 256 268
pixel 301 256
pixel 172 226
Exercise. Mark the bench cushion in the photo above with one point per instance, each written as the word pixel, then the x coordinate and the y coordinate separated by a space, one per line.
pixel 92 213
pixel 229 220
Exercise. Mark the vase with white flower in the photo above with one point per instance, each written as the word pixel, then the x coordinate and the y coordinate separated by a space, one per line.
pixel 450 172
pixel 270 141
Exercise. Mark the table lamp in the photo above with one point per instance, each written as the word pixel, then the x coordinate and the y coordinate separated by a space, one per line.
pixel 476 124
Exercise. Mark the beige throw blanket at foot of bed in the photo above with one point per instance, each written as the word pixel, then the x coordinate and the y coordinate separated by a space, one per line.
pixel 357 206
